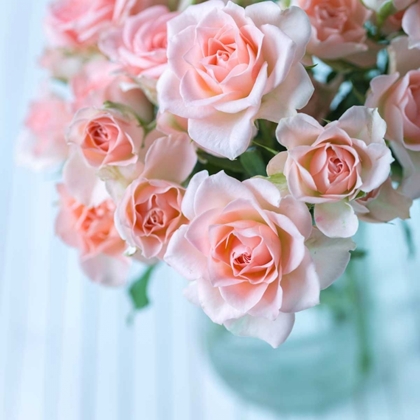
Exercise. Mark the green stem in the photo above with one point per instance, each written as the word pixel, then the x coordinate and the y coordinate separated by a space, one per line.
pixel 361 318
pixel 265 147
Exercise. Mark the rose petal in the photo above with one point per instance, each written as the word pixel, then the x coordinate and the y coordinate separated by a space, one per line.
pixel 273 332
pixel 277 164
pixel 184 257
pixel 330 256
pixel 301 287
pixel 410 24
pixel 401 58
pixel 266 193
pixel 191 293
pixel 82 182
pixel 188 208
pixel 226 134
pixel 298 213
pixel 269 305
pixel 300 130
pixel 294 93
pixel 370 126
pixel 170 158
pixel 243 296
pixel 218 191
pixel 336 220
pixel 109 271
pixel 213 304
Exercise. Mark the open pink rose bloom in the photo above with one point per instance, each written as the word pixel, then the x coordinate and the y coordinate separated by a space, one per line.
pixel 241 146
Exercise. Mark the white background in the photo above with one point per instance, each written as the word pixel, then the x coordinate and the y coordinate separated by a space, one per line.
pixel 66 351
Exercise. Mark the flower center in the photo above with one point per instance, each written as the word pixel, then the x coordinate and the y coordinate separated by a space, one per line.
pixel 155 219
pixel 100 136
pixel 243 259
pixel 335 166
pixel 97 222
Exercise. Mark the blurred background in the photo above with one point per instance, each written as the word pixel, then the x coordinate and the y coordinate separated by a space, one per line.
pixel 67 351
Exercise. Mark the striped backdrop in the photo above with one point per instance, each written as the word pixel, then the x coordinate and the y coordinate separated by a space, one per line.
pixel 66 351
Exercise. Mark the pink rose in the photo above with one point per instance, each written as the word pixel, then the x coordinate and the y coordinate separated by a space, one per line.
pixel 149 214
pixel 78 23
pixel 91 230
pixel 337 27
pixel 99 82
pixel 149 211
pixel 42 144
pixel 330 166
pixel 106 137
pixel 410 24
pixel 140 45
pixel 247 254
pixel 383 204
pixel 398 100
pixel 169 158
pixel 228 66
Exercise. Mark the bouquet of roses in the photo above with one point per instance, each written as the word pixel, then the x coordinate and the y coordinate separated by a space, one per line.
pixel 239 143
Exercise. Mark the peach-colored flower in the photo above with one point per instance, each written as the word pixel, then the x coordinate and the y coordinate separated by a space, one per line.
pixel 228 66
pixel 149 214
pixel 106 137
pixel 78 23
pixel 337 27
pixel 411 26
pixel 398 101
pixel 247 254
pixel 91 230
pixel 330 166
pixel 149 211
pixel 42 144
pixel 140 45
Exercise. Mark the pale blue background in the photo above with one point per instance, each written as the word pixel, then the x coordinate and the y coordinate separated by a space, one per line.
pixel 66 352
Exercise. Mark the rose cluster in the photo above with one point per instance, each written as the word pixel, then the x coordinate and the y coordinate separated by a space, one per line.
pixel 239 144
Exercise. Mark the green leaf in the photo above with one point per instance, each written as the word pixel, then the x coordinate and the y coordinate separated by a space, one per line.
pixel 138 290
pixel 253 162
pixel 387 9
pixel 221 163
